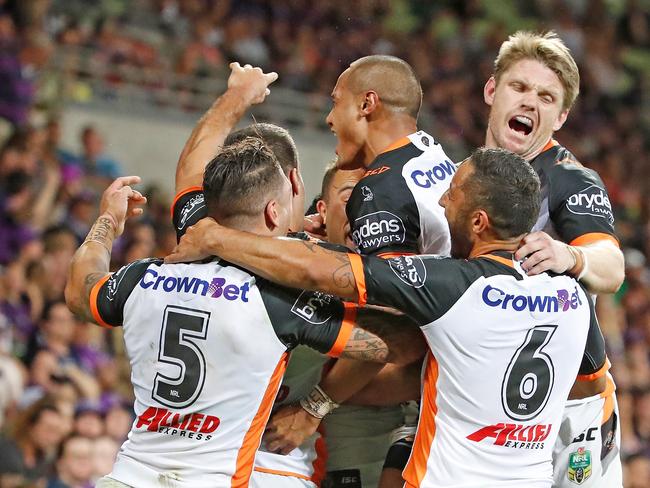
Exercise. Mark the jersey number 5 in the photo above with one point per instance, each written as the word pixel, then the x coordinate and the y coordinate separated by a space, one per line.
pixel 182 327
pixel 528 380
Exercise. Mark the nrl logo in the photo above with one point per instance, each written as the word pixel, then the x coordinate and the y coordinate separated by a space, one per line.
pixel 579 466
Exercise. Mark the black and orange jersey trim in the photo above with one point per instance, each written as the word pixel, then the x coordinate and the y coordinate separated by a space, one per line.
pixel 575 205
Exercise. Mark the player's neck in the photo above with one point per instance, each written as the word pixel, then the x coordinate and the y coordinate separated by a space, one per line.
pixel 487 247
pixel 255 226
pixel 385 132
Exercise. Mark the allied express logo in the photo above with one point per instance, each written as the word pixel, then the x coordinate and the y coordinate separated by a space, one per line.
pixel 196 425
pixel 516 436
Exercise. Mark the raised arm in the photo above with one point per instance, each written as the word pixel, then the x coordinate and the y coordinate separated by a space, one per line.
pixel 289 262
pixel 246 86
pixel 92 260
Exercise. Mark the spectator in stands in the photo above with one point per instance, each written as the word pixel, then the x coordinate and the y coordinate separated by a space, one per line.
pixel 95 162
pixel 89 420
pixel 29 450
pixel 75 464
pixel 104 453
pixel 16 87
pixel 15 201
pixel 118 422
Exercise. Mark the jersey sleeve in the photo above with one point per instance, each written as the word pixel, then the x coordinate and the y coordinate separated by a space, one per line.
pixel 188 208
pixel 109 295
pixel 320 321
pixel 424 288
pixel 579 206
pixel 594 361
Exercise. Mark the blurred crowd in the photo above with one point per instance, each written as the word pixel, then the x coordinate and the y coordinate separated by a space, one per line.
pixel 65 397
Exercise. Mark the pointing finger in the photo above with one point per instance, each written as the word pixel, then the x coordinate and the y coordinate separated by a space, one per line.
pixel 123 181
pixel 271 77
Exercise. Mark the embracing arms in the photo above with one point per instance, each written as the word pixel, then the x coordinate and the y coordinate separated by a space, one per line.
pixel 289 262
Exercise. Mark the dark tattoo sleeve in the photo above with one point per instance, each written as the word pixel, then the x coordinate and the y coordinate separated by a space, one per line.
pixel 90 280
pixel 401 337
pixel 340 275
pixel 102 232
pixel 366 346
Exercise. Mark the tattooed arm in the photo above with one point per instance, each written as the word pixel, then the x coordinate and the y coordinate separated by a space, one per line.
pixel 294 263
pixel 92 260
pixel 380 336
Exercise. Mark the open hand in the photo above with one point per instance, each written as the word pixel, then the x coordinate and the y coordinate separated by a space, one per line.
pixel 252 82
pixel 288 428
pixel 195 243
pixel 314 226
pixel 543 253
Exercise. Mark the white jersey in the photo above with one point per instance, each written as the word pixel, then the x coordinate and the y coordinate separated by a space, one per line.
pixel 394 208
pixel 208 345
pixel 505 349
pixel 307 461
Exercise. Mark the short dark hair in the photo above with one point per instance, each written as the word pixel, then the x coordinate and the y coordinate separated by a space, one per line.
pixel 330 171
pixel 241 179
pixel 507 187
pixel 278 140
pixel 392 78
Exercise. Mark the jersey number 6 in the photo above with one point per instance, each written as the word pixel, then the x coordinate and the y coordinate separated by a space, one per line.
pixel 528 380
pixel 182 327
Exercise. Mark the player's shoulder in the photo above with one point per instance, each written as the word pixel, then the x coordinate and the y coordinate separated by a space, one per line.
pixel 450 274
pixel 130 274
pixel 563 167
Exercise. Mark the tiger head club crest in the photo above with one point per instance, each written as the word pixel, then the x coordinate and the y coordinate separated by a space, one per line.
pixel 579 466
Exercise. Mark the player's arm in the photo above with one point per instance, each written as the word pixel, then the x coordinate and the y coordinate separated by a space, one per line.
pixel 402 381
pixel 91 262
pixel 289 262
pixel 397 282
pixel 246 86
pixel 379 335
pixel 582 216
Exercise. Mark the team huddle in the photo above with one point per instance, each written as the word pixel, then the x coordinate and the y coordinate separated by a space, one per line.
pixel 432 325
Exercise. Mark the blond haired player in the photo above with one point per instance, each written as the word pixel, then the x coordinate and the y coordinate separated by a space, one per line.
pixel 534 86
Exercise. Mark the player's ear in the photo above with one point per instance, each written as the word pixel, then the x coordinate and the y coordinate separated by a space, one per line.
pixel 561 119
pixel 369 103
pixel 272 215
pixel 489 90
pixel 297 184
pixel 321 208
pixel 480 222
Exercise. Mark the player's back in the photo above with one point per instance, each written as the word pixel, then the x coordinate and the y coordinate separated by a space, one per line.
pixel 208 345
pixel 503 359
pixel 206 364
